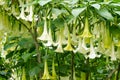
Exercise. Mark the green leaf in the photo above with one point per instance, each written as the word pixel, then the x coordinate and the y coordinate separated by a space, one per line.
pixel 117 12
pixel 59 22
pixel 34 71
pixel 105 13
pixel 43 2
pixel 77 11
pixel 96 6
pixel 56 12
pixel 9 46
pixel 10 54
pixel 26 56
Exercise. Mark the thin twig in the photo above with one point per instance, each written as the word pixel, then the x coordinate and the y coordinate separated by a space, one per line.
pixel 111 73
pixel 118 72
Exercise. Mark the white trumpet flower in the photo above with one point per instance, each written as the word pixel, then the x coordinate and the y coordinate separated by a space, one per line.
pixel 30 16
pixel 74 37
pixel 84 44
pixel 22 14
pixel 50 40
pixel 59 43
pixel 80 49
pixel 69 46
pixel 14 11
pixel 92 54
pixel 45 35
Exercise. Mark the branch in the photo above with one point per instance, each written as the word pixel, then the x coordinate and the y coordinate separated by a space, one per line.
pixel 118 72
pixel 111 73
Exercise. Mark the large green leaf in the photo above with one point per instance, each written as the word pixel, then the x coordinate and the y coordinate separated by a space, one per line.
pixel 117 12
pixel 56 12
pixel 26 56
pixel 77 11
pixel 43 2
pixel 35 70
pixel 96 6
pixel 105 13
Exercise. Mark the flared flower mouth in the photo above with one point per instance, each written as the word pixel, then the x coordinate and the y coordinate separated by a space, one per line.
pixel 106 37
pixel 46 74
pixel 50 40
pixel 86 33
pixel 45 35
pixel 92 54
pixel 60 41
pixel 54 75
pixel 69 46
pixel 81 47
pixel 22 14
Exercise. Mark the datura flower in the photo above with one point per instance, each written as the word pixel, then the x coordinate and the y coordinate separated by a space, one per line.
pixel 69 46
pixel 92 54
pixel 22 14
pixel 54 75
pixel 46 74
pixel 106 37
pixel 30 16
pixel 50 40
pixel 60 41
pixel 45 35
pixel 14 12
pixel 86 33
pixel 80 48
pixel 74 37
pixel 59 47
pixel 84 45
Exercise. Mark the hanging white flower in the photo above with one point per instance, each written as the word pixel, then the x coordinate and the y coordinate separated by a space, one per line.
pixel 45 35
pixel 92 54
pixel 84 44
pixel 80 48
pixel 74 37
pixel 22 14
pixel 69 46
pixel 60 41
pixel 30 16
pixel 50 40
